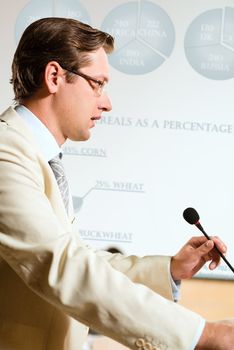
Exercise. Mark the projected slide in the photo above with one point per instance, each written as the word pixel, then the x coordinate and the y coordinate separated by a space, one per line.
pixel 168 142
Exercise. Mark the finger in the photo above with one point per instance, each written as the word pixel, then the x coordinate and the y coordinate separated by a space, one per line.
pixel 205 248
pixel 214 264
pixel 197 241
pixel 215 259
pixel 205 258
pixel 220 244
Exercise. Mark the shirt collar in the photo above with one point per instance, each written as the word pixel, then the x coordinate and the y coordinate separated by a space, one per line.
pixel 46 141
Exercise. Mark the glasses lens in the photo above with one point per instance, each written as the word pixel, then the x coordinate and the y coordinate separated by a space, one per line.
pixel 101 88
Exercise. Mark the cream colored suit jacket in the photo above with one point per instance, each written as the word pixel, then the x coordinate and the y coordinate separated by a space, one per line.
pixel 53 286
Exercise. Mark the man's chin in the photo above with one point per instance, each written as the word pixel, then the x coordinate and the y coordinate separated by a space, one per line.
pixel 83 137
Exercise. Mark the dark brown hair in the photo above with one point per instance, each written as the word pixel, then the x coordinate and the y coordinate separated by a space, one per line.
pixel 64 40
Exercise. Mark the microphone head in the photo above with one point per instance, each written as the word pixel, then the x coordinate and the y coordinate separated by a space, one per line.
pixel 191 216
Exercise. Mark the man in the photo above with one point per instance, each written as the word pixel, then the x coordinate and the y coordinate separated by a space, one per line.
pixel 52 285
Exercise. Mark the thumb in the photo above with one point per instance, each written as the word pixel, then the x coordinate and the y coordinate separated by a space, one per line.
pixel 206 247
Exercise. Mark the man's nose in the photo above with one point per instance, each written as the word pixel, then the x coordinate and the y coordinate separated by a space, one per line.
pixel 105 102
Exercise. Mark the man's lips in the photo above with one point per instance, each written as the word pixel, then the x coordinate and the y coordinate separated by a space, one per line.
pixel 96 118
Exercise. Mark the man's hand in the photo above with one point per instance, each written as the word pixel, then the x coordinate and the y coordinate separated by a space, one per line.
pixel 194 254
pixel 217 336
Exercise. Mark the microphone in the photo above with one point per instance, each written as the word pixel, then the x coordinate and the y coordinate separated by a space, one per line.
pixel 192 217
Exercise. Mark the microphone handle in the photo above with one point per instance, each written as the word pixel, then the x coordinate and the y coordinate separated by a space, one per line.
pixel 199 226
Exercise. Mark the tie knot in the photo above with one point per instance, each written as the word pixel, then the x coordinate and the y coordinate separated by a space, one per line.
pixel 57 158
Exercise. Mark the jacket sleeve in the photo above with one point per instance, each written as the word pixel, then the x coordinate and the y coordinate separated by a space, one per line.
pixel 152 271
pixel 51 260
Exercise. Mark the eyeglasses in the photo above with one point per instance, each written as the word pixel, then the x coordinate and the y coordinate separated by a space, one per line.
pixel 99 84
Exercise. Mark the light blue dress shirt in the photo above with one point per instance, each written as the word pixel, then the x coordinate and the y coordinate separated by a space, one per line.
pixel 46 141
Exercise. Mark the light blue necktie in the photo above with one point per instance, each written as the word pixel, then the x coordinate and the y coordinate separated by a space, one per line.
pixel 59 173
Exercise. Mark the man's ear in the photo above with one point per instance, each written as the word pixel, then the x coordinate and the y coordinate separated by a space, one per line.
pixel 52 76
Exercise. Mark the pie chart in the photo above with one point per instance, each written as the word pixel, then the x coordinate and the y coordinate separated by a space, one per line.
pixel 144 36
pixel 37 9
pixel 209 44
